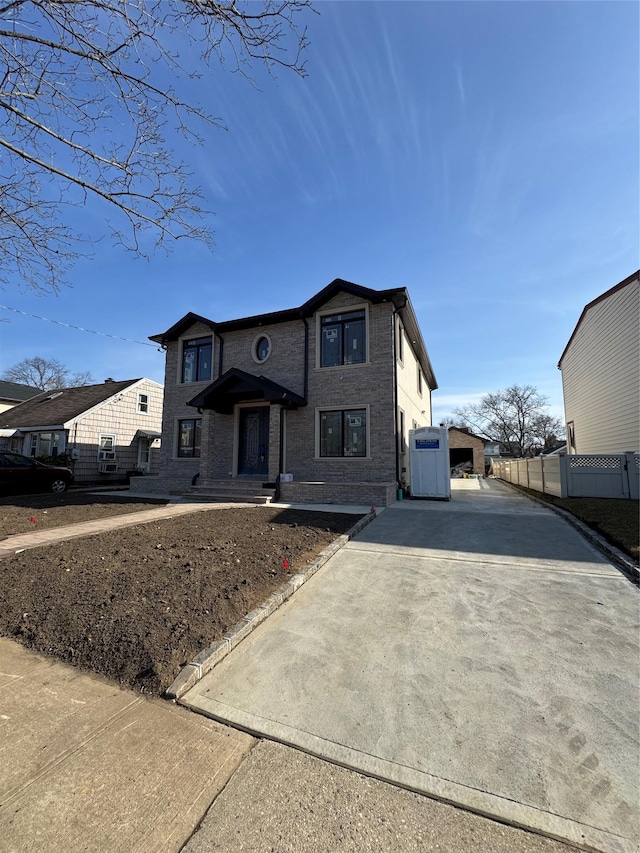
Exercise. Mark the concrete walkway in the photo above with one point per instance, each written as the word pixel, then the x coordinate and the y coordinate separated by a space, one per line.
pixel 478 651
pixel 87 766
pixel 176 507
pixel 36 538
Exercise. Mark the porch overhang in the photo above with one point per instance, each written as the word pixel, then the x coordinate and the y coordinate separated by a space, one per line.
pixel 237 386
pixel 148 434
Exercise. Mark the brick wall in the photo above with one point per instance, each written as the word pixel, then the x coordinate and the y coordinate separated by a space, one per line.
pixel 461 439
pixel 368 385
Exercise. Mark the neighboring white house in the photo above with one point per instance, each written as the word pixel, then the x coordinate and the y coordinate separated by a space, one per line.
pixel 12 393
pixel 102 432
pixel 601 373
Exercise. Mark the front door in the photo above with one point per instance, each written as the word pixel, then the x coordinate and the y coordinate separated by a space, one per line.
pixel 253 445
pixel 144 454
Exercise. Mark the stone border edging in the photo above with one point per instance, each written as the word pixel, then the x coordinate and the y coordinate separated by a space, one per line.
pixel 618 557
pixel 208 658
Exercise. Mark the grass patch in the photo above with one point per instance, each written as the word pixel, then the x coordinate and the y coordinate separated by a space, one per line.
pixel 617 520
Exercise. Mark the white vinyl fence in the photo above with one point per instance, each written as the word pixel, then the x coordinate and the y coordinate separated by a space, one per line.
pixel 592 476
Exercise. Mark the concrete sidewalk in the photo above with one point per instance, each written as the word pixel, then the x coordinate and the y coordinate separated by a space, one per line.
pixel 87 766
pixel 478 651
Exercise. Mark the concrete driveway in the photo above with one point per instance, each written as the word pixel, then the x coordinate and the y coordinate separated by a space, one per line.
pixel 478 651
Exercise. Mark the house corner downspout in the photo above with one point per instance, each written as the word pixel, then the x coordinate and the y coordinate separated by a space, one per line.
pixel 280 454
pixel 305 392
pixel 220 353
pixel 395 397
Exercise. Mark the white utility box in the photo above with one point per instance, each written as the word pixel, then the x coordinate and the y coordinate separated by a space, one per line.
pixel 429 470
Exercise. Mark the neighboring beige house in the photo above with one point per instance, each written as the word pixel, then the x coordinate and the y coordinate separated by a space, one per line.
pixel 12 393
pixel 102 432
pixel 601 374
pixel 325 393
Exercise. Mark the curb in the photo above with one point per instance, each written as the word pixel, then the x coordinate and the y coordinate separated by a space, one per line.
pixel 621 560
pixel 204 662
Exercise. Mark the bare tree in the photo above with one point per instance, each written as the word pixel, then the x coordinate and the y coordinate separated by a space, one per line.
pixel 516 417
pixel 47 374
pixel 87 110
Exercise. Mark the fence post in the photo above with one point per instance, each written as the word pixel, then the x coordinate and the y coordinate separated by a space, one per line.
pixel 633 475
pixel 564 476
pixel 544 485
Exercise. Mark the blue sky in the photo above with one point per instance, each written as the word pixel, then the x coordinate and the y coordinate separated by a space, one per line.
pixel 484 155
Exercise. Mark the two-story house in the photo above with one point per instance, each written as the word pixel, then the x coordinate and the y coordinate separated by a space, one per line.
pixel 601 373
pixel 324 394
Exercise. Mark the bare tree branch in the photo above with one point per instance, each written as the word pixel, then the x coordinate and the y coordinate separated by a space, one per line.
pixel 88 113
pixel 46 374
pixel 515 417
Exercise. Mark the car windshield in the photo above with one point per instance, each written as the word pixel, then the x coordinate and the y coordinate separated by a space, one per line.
pixel 14 459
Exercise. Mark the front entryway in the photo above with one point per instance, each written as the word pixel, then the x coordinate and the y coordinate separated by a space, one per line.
pixel 253 443
pixel 144 455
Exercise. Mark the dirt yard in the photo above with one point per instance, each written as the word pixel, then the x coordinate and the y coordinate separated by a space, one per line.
pixel 23 513
pixel 137 603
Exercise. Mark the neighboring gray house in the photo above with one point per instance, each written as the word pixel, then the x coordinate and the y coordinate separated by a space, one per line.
pixel 325 393
pixel 100 431
pixel 601 374
pixel 12 393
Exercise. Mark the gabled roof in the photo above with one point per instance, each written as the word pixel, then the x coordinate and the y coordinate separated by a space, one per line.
pixel 633 277
pixel 468 432
pixel 236 385
pixel 397 295
pixel 15 391
pixel 56 408
pixel 181 327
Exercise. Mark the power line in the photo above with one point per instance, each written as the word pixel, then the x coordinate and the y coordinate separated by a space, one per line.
pixel 79 328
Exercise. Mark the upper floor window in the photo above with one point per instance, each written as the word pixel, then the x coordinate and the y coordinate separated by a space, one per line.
pixel 196 360
pixel 343 338
pixel 261 349
pixel 143 403
pixel 419 380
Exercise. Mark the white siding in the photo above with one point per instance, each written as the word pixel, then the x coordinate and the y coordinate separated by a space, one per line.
pixel 601 375
pixel 415 404
pixel 119 417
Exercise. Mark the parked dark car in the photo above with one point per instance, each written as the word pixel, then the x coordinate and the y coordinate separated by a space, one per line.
pixel 23 474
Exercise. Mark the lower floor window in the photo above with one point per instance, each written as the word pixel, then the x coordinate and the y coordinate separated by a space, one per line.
pixel 189 432
pixel 343 433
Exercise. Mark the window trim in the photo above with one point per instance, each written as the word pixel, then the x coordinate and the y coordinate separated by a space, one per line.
pixel 177 455
pixel 254 348
pixel 111 450
pixel 181 350
pixel 402 443
pixel 420 379
pixel 318 412
pixel 343 309
pixel 400 342
pixel 139 405
pixel 110 435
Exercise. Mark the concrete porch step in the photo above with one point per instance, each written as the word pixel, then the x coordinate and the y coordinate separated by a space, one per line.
pixel 231 491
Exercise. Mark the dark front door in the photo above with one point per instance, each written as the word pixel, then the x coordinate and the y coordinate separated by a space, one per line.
pixel 253 450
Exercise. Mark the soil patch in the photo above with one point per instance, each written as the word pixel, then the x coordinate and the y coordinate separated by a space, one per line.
pixel 47 511
pixel 137 603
